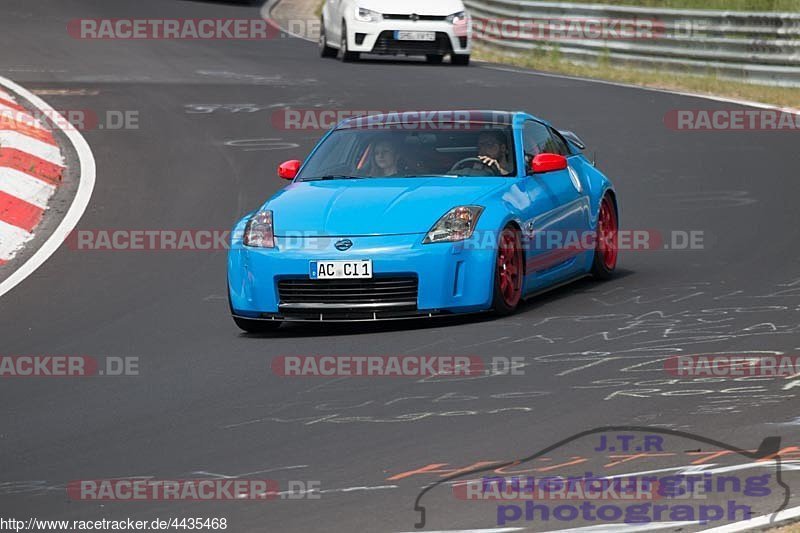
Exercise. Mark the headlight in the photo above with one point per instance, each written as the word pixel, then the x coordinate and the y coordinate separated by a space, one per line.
pixel 457 18
pixel 458 224
pixel 259 231
pixel 367 15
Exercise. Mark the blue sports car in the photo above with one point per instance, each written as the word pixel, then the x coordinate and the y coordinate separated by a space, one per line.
pixel 423 214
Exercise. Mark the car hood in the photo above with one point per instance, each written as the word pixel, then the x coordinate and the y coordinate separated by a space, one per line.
pixel 375 206
pixel 408 7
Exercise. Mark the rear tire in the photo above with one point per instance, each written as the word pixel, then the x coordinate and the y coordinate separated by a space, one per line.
pixel 462 60
pixel 607 246
pixel 347 55
pixel 324 49
pixel 434 59
pixel 509 272
pixel 257 326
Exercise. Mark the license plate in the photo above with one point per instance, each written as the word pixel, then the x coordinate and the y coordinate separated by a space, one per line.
pixel 414 36
pixel 340 269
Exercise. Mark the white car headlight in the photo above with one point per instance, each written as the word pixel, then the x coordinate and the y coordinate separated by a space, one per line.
pixel 458 18
pixel 458 224
pixel 259 231
pixel 367 15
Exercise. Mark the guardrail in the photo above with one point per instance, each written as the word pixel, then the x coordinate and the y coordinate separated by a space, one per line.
pixel 746 46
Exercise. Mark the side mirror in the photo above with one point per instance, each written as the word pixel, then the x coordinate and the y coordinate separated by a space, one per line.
pixel 288 169
pixel 548 163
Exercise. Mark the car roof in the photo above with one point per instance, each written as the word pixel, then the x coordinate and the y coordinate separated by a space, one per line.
pixel 510 118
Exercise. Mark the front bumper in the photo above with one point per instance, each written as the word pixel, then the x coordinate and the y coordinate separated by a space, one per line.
pixel 450 277
pixel 378 38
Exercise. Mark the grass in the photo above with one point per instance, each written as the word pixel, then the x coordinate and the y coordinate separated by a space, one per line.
pixel 732 5
pixel 793 528
pixel 551 61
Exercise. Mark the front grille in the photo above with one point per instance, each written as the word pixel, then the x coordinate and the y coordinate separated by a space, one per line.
pixel 376 294
pixel 386 44
pixel 393 16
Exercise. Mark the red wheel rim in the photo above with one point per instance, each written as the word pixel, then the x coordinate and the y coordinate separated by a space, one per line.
pixel 607 245
pixel 509 268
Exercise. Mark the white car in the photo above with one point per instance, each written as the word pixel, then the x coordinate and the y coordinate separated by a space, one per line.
pixel 430 28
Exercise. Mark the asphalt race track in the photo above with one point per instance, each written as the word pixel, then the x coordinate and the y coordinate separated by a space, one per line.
pixel 206 403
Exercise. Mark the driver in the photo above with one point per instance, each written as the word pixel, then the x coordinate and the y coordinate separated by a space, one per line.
pixel 493 151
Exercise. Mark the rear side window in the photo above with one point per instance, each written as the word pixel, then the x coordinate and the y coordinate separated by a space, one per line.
pixel 535 139
pixel 559 144
pixel 538 138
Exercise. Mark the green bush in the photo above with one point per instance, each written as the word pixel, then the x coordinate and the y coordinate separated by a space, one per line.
pixel 732 5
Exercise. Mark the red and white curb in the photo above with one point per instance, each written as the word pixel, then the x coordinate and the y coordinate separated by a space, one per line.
pixel 31 168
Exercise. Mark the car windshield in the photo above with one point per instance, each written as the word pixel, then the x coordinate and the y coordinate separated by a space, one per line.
pixel 454 150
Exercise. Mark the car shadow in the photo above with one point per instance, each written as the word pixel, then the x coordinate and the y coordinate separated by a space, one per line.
pixel 526 308
pixel 368 59
pixel 583 285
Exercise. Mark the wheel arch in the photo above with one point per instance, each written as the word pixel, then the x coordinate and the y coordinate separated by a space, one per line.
pixel 514 223
pixel 613 195
pixel 595 201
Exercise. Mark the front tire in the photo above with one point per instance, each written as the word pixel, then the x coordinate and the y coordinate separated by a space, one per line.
pixel 324 49
pixel 256 326
pixel 607 247
pixel 509 272
pixel 347 55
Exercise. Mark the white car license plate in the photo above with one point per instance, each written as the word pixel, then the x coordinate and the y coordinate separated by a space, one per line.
pixel 340 269
pixel 414 36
